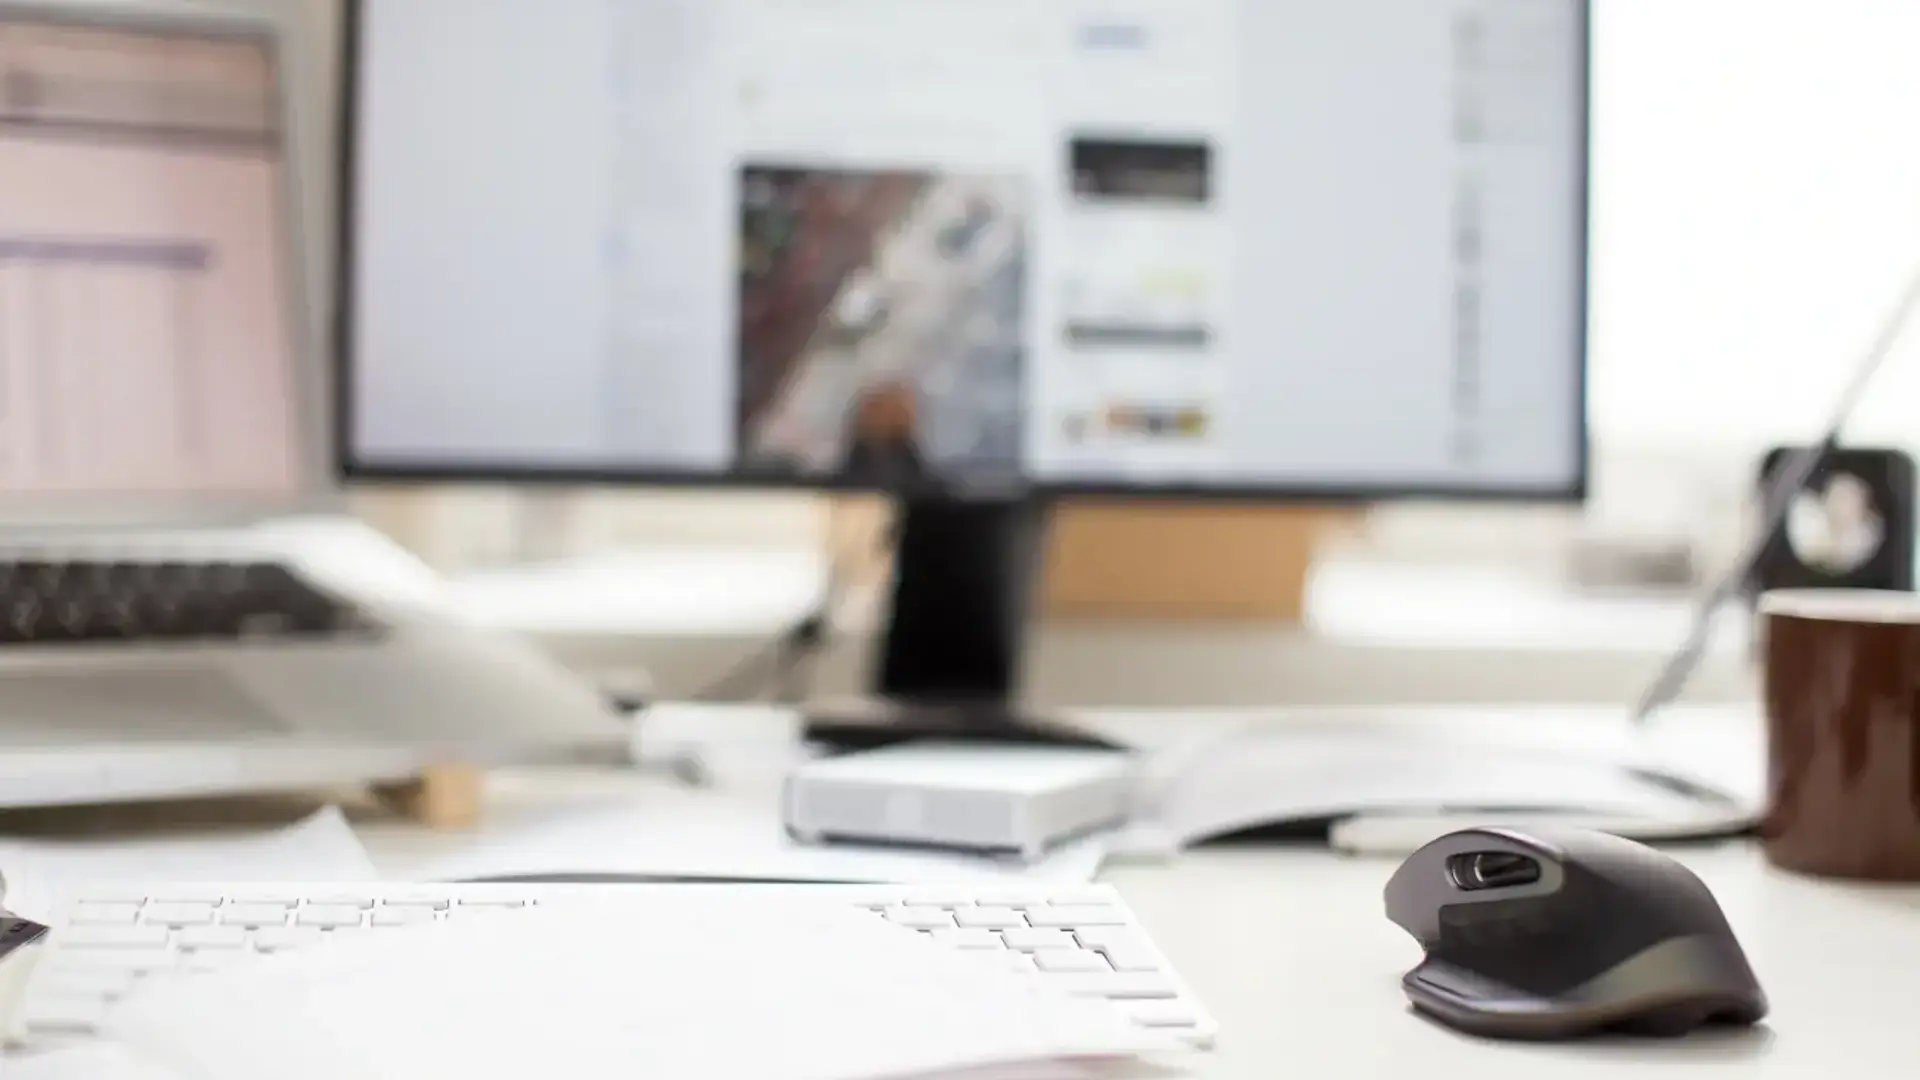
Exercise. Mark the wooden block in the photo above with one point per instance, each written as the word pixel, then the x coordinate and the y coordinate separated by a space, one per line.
pixel 1146 560
pixel 1151 560
pixel 441 797
pixel 1140 560
pixel 857 539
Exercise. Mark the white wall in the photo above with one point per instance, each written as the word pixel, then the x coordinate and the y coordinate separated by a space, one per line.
pixel 1756 199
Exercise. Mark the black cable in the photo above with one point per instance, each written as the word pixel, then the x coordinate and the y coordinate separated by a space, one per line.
pixel 751 676
pixel 774 665
pixel 780 665
pixel 784 664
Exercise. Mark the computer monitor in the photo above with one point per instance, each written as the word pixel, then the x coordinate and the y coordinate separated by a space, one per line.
pixel 147 330
pixel 976 253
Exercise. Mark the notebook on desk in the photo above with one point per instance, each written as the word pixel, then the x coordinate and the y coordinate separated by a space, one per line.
pixel 1298 779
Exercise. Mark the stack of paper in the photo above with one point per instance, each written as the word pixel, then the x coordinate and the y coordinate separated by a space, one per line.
pixel 704 837
pixel 38 877
pixel 93 1060
pixel 1416 775
pixel 690 986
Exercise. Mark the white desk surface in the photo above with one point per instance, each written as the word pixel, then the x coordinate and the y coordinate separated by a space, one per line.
pixel 1291 951
pixel 1374 632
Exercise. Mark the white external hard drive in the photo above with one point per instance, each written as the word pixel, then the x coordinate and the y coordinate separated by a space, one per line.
pixel 985 798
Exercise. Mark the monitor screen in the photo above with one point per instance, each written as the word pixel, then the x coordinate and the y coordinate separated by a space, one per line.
pixel 1264 246
pixel 146 344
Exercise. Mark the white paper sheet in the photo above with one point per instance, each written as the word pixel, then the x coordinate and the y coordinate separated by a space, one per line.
pixel 40 874
pixel 1114 1068
pixel 677 986
pixel 710 837
pixel 92 1060
pixel 101 1060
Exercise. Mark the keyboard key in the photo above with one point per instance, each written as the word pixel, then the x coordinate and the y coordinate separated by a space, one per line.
pixel 920 918
pixel 327 916
pixel 425 903
pixel 212 937
pixel 277 938
pixel 1100 937
pixel 988 918
pixel 1131 958
pixel 969 939
pixel 254 914
pixel 1116 985
pixel 178 914
pixel 115 937
pixel 1028 939
pixel 1064 960
pixel 389 916
pixel 1018 961
pixel 492 902
pixel 1075 916
pixel 105 914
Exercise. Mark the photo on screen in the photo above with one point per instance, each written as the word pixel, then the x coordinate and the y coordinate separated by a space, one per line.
pixel 1177 172
pixel 881 337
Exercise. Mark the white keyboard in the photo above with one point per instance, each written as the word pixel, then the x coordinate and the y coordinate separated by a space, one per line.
pixel 1081 938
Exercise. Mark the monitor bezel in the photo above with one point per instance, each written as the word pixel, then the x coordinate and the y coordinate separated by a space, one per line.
pixel 474 472
pixel 315 487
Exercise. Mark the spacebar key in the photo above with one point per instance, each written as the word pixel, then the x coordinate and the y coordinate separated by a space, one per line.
pixel 1118 985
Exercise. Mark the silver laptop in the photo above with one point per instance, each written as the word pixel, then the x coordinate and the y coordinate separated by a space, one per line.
pixel 184 605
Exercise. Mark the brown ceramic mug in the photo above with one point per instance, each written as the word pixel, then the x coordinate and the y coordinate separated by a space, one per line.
pixel 1842 694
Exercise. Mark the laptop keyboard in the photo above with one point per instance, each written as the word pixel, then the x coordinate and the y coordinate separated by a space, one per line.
pixel 68 601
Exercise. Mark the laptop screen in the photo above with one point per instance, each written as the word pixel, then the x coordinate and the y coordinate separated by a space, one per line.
pixel 146 331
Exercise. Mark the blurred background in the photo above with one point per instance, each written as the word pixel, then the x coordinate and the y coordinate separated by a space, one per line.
pixel 1754 209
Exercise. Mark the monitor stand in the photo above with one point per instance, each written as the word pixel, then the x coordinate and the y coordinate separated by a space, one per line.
pixel 950 652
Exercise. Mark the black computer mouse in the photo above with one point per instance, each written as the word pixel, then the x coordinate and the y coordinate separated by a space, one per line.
pixel 1559 934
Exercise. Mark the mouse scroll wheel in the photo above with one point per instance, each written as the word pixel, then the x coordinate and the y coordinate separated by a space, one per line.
pixel 1479 870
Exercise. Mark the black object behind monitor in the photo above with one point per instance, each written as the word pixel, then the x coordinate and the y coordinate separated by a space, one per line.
pixel 669 251
pixel 1851 526
pixel 951 649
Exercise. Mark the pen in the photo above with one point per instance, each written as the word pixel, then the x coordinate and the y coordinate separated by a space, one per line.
pixel 1792 476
